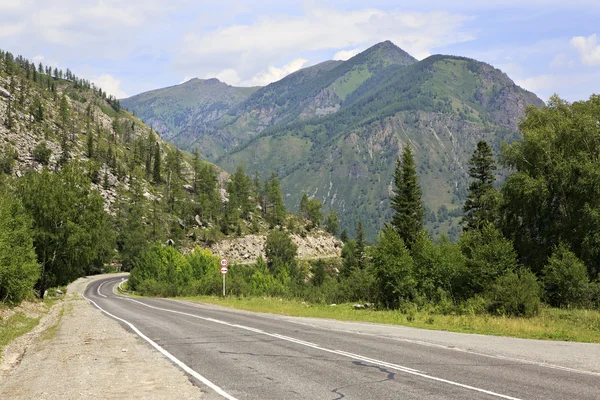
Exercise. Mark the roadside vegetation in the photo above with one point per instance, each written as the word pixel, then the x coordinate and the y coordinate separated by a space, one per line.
pixel 522 267
pixel 531 244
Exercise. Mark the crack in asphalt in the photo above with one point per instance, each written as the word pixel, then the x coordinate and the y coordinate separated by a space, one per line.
pixel 277 355
pixel 390 376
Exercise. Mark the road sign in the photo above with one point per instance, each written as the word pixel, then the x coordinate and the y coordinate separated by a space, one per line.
pixel 224 270
pixel 224 262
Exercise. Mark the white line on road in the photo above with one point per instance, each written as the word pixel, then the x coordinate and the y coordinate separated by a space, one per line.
pixel 167 354
pixel 339 352
pixel 98 290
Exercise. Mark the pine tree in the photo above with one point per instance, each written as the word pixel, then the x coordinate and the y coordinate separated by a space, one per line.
pixel 332 223
pixel 275 211
pixel 407 204
pixel 156 172
pixel 482 201
pixel 90 143
pixel 360 245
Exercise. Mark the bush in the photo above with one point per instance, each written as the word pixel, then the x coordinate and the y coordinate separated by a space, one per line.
pixel 489 255
pixel 280 251
pixel 164 265
pixel 42 154
pixel 394 270
pixel 515 294
pixel 19 270
pixel 565 279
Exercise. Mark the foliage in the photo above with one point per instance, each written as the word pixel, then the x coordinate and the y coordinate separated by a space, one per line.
pixel 565 279
pixel 42 153
pixel 406 203
pixel 438 267
pixel 515 294
pixel 162 269
pixel 394 270
pixel 482 201
pixel 19 269
pixel 332 223
pixel 71 230
pixel 554 194
pixel 488 256
pixel 280 251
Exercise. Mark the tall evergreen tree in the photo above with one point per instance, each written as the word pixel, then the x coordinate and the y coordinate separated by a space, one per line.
pixel 481 205
pixel 275 210
pixel 360 245
pixel 156 174
pixel 407 203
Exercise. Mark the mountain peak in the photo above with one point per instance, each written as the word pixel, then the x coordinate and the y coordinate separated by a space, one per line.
pixel 387 53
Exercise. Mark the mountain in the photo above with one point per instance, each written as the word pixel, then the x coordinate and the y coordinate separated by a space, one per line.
pixel 335 129
pixel 195 104
pixel 441 106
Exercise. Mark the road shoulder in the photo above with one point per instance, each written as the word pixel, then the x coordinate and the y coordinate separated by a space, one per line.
pixel 92 356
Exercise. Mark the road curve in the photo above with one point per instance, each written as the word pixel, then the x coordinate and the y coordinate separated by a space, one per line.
pixel 243 355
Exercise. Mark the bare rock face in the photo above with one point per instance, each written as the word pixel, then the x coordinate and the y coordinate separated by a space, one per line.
pixel 247 249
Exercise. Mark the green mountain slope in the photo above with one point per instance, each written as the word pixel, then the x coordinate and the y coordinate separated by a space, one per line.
pixel 315 91
pixel 196 103
pixel 442 106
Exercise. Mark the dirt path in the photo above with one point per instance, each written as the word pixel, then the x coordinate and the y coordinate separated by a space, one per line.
pixel 88 355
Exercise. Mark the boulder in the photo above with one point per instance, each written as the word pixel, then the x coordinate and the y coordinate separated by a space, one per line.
pixel 189 188
pixel 4 93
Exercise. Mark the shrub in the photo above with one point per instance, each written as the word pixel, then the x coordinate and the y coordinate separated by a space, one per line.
pixel 394 270
pixel 162 264
pixel 565 279
pixel 42 153
pixel 489 255
pixel 19 269
pixel 515 294
pixel 280 251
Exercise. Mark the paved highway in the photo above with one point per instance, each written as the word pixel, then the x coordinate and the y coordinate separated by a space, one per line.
pixel 241 355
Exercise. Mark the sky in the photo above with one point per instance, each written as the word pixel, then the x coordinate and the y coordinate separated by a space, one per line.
pixel 128 47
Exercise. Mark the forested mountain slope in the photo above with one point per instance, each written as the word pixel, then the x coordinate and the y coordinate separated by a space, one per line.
pixel 441 106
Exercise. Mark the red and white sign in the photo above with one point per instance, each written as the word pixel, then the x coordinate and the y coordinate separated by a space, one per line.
pixel 224 262
pixel 224 270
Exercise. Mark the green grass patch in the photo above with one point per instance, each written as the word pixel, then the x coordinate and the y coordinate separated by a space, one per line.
pixel 16 325
pixel 50 333
pixel 551 324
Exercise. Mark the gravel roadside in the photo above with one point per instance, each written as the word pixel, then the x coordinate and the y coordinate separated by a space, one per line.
pixel 87 356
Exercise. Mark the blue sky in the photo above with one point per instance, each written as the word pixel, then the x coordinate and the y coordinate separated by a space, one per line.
pixel 130 47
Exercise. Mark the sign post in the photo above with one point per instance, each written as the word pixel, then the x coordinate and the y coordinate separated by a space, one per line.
pixel 224 270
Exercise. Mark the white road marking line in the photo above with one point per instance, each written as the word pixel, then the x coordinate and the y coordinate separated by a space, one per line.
pixel 342 353
pixel 442 346
pixel 98 290
pixel 168 355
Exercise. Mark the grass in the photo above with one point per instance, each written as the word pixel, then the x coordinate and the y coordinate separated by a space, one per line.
pixel 16 325
pixel 550 324
pixel 50 333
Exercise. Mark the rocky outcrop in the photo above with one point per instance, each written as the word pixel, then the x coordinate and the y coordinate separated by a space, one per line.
pixel 247 249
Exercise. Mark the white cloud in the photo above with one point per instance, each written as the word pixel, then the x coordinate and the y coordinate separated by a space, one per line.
pixel 186 78
pixel 570 86
pixel 7 30
pixel 228 75
pixel 273 74
pixel 272 40
pixel 110 85
pixel 344 55
pixel 589 49
pixel 38 58
pixel 561 61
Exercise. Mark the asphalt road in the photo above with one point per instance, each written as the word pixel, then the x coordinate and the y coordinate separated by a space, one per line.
pixel 242 355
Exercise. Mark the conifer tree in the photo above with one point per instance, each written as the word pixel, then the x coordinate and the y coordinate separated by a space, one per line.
pixel 407 204
pixel 156 171
pixel 482 201
pixel 90 143
pixel 360 245
pixel 275 211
